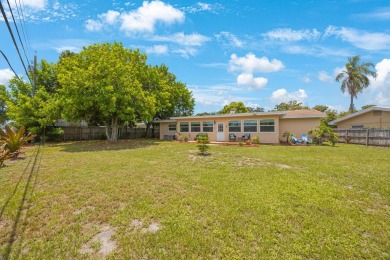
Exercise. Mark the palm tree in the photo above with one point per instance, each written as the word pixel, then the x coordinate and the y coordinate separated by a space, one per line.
pixel 354 78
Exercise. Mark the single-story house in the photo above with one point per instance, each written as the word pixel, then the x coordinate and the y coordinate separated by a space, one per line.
pixel 268 126
pixel 373 117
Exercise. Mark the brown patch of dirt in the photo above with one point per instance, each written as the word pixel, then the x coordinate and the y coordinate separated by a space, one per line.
pixel 138 225
pixel 104 239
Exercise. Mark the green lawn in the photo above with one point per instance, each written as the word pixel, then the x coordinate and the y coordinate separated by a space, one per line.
pixel 162 200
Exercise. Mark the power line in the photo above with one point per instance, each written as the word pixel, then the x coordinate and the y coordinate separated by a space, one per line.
pixel 22 22
pixel 17 30
pixel 9 64
pixel 13 39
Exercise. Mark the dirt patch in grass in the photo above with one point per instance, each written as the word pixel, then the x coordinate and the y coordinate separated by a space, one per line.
pixel 87 208
pixel 137 224
pixel 103 238
pixel 253 162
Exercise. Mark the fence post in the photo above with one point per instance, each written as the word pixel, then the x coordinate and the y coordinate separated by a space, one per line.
pixel 368 130
pixel 346 137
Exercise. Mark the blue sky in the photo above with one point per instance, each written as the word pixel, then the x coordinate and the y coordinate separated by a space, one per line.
pixel 258 52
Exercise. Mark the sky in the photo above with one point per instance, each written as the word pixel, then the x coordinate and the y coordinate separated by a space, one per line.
pixel 261 53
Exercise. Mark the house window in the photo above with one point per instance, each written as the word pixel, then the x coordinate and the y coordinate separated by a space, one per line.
pixel 172 128
pixel 184 127
pixel 250 126
pixel 357 127
pixel 195 127
pixel 235 126
pixel 208 126
pixel 267 125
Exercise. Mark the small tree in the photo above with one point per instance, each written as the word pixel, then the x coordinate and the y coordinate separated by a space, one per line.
pixel 323 131
pixel 203 141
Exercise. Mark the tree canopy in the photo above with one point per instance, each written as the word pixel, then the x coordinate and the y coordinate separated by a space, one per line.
pixel 110 85
pixel 239 107
pixel 291 105
pixel 355 78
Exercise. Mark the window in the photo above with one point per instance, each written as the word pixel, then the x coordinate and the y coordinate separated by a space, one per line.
pixel 235 126
pixel 195 127
pixel 172 128
pixel 250 126
pixel 357 127
pixel 208 126
pixel 184 127
pixel 267 125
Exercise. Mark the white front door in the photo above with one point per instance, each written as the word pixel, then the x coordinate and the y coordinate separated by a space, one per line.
pixel 220 132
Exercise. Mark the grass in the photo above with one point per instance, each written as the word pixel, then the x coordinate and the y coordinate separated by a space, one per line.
pixel 238 202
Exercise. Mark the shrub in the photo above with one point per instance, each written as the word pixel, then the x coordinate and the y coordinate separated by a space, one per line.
pixel 202 144
pixel 14 140
pixel 256 140
pixel 323 131
pixel 4 154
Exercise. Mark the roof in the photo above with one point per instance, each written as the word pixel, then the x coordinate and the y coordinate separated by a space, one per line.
pixel 310 113
pixel 334 122
pixel 306 113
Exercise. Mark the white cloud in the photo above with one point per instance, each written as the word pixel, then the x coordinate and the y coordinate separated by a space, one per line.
pixel 157 49
pixel 93 26
pixel 306 79
pixel 282 95
pixel 229 39
pixel 360 39
pixel 287 34
pixel 379 14
pixel 35 4
pixel 145 17
pixel 193 39
pixel 5 76
pixel 73 45
pixel 381 86
pixel 111 17
pixel 202 7
pixel 247 79
pixel 251 64
pixel 325 77
pixel 186 52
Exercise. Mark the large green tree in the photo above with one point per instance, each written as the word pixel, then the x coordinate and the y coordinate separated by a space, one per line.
pixel 33 107
pixel 291 105
pixel 239 107
pixel 103 83
pixel 355 78
pixel 172 97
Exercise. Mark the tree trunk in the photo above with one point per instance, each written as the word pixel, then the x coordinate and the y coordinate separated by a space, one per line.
pixel 147 124
pixel 351 107
pixel 112 130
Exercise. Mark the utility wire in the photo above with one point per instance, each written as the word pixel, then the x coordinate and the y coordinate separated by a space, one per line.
pixel 17 30
pixel 9 64
pixel 22 22
pixel 13 39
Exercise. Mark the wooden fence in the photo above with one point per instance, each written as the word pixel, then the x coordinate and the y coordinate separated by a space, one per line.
pixel 377 137
pixel 79 133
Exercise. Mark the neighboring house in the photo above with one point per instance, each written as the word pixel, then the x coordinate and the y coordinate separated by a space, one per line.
pixel 373 117
pixel 268 126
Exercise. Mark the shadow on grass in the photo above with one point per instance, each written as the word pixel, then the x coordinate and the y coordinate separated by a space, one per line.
pixel 31 168
pixel 99 145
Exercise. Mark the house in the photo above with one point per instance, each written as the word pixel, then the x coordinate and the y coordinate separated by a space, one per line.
pixel 373 117
pixel 268 126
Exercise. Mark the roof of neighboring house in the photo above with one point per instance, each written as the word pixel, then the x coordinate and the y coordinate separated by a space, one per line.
pixel 334 122
pixel 310 113
pixel 306 113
